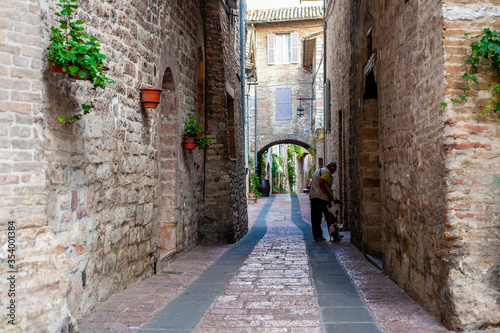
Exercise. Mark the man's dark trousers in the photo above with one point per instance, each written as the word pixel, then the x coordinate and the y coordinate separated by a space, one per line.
pixel 318 207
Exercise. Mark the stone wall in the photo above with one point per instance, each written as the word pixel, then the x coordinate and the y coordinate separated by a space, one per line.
pixel 270 77
pixel 99 197
pixel 334 145
pixel 437 179
pixel 471 150
pixel 43 265
pixel 225 214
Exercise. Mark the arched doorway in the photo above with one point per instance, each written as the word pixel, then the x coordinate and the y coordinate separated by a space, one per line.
pixel 168 168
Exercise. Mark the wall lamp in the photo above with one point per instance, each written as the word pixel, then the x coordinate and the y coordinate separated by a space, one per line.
pixel 300 108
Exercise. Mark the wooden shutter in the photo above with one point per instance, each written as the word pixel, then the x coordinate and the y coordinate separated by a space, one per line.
pixel 294 44
pixel 270 49
pixel 283 103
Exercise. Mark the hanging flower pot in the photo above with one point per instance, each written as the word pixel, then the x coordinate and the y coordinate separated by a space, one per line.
pixel 150 97
pixel 189 143
pixel 54 68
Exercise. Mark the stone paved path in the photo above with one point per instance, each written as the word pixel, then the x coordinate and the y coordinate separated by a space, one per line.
pixel 266 283
pixel 272 291
pixel 276 279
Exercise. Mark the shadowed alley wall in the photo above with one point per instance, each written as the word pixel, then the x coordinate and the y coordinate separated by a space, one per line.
pixel 92 201
pixel 437 169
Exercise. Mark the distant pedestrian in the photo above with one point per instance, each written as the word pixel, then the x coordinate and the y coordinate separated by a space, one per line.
pixel 321 196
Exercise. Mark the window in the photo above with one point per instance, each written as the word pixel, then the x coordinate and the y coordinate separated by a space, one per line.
pixel 282 48
pixel 283 103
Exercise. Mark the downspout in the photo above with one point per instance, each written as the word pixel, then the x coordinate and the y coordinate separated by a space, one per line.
pixel 205 117
pixel 255 139
pixel 313 78
pixel 255 98
pixel 242 58
pixel 324 76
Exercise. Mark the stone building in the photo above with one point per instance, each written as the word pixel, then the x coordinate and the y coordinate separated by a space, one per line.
pixel 285 58
pixel 419 181
pixel 95 202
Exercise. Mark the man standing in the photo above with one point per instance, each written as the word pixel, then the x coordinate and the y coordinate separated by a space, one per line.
pixel 321 196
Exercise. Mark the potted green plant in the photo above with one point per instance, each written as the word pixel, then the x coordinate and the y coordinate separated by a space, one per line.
pixel 76 53
pixel 193 134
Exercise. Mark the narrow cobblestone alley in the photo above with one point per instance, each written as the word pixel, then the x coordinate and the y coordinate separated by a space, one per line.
pixel 276 279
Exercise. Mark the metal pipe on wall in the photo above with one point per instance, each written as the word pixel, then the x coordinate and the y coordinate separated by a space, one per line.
pixel 255 139
pixel 242 62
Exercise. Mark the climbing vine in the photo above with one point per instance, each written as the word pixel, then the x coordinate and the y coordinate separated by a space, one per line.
pixel 485 51
pixel 253 178
pixel 262 163
pixel 298 151
pixel 292 177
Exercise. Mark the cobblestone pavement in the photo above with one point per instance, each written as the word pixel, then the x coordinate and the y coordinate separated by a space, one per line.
pixel 272 291
pixel 264 283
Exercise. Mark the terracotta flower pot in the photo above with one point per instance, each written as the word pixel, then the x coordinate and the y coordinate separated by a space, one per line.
pixel 150 97
pixel 54 68
pixel 189 144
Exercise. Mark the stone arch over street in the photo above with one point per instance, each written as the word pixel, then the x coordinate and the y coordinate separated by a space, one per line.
pixel 305 142
pixel 302 166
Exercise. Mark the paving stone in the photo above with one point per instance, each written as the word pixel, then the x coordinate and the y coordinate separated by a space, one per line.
pixel 278 280
pixel 347 315
pixel 173 321
pixel 183 306
pixel 353 328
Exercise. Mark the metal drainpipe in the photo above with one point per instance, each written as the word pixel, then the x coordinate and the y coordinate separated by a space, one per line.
pixel 242 58
pixel 325 3
pixel 255 91
pixel 313 78
pixel 205 113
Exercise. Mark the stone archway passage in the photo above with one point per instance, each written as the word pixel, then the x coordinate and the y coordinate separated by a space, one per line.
pixel 292 139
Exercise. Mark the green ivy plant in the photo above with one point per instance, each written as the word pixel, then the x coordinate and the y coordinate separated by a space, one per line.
pixel 263 165
pixel 485 51
pixel 77 52
pixel 251 164
pixel 292 177
pixel 194 129
pixel 298 151
pixel 255 180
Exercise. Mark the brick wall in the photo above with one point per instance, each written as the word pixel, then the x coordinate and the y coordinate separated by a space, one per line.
pixel 335 145
pixel 100 196
pixel 40 260
pixel 437 178
pixel 225 216
pixel 270 77
pixel 471 151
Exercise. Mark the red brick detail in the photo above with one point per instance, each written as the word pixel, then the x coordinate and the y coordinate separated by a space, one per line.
pixel 467 145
